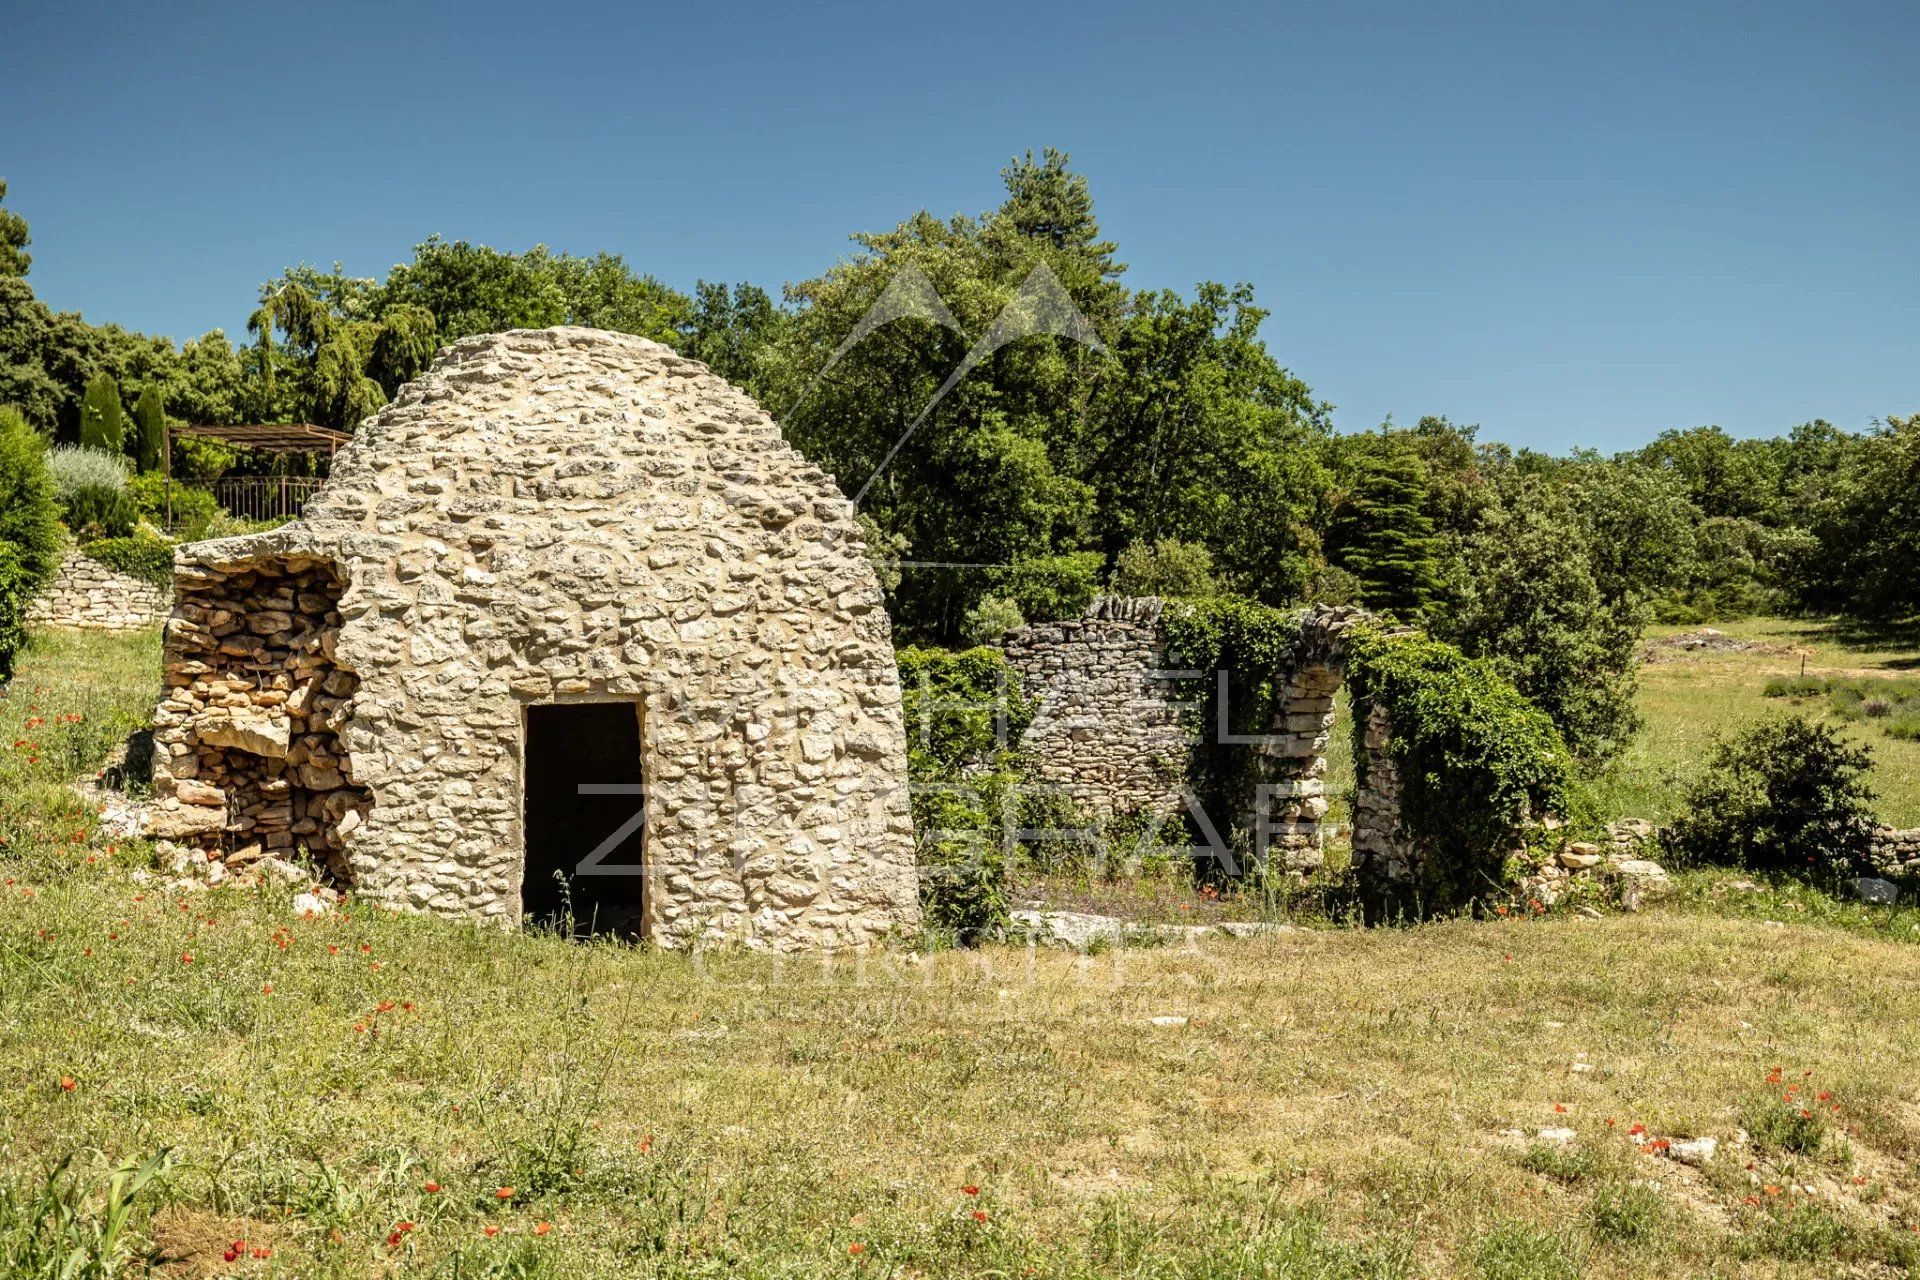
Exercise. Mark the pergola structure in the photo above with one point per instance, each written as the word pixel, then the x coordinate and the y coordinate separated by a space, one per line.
pixel 265 492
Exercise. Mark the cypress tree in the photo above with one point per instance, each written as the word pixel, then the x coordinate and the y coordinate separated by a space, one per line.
pixel 149 428
pixel 103 423
pixel 1381 535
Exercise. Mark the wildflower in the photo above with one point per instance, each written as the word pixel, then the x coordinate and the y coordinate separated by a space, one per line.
pixel 1859 1180
pixel 504 1193
pixel 979 1215
pixel 1500 911
pixel 1636 1130
pixel 430 1185
pixel 1560 1108
pixel 542 1228
pixel 1825 1095
pixel 490 1230
pixel 262 1252
pixel 266 988
pixel 1771 1189
pixel 856 1249
pixel 68 1083
pixel 186 957
pixel 969 1190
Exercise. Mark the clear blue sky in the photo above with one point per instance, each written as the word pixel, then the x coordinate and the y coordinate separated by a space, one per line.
pixel 1573 228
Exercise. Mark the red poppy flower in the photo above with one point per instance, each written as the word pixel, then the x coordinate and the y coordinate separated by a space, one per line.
pixel 430 1185
pixel 979 1215
pixel 542 1228
pixel 969 1190
pixel 856 1249
pixel 67 1083
pixel 504 1193
pixel 490 1230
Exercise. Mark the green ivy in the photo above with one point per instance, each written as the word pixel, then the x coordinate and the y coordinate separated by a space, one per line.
pixel 1476 758
pixel 141 556
pixel 1253 643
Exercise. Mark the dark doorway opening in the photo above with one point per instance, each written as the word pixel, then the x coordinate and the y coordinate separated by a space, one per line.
pixel 584 836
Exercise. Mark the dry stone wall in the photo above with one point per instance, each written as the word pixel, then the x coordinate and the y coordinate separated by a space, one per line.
pixel 95 597
pixel 1109 731
pixel 1897 852
pixel 561 515
pixel 1119 724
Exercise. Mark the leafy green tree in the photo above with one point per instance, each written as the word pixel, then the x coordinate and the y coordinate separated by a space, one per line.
pixel 728 330
pixel 14 258
pixel 1522 591
pixel 149 429
pixel 1382 535
pixel 1868 527
pixel 103 423
pixel 1196 434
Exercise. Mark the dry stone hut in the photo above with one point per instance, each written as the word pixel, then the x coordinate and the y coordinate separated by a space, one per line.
pixel 569 614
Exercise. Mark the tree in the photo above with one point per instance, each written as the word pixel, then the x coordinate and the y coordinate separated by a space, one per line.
pixel 1522 592
pixel 1382 536
pixel 728 330
pixel 1869 526
pixel 1785 794
pixel 1167 568
pixel 102 419
pixel 149 428
pixel 14 258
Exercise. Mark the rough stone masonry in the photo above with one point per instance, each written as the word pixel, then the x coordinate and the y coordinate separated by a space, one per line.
pixel 95 597
pixel 549 516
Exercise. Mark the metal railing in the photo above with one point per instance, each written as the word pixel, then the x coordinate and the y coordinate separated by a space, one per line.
pixel 265 497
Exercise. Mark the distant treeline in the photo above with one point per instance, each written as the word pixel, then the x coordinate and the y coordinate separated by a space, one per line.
pixel 1177 455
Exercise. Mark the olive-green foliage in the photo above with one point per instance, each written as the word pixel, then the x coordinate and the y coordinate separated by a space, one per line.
pixel 64 1225
pixel 1165 567
pixel 141 556
pixel 14 239
pixel 1476 759
pixel 91 487
pixel 196 512
pixel 1868 527
pixel 1784 794
pixel 964 713
pixel 990 619
pixel 103 422
pixel 1522 1251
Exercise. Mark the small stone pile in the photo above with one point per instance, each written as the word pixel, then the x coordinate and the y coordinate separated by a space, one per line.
pixel 247 761
pixel 1618 867
pixel 95 597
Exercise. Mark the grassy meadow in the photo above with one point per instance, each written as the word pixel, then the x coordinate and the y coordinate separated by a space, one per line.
pixel 373 1095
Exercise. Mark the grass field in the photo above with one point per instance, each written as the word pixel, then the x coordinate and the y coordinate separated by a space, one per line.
pixel 371 1095
pixel 1689 697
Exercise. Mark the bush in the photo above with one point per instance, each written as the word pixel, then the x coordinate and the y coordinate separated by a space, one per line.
pixel 91 487
pixel 964 712
pixel 1626 1213
pixel 142 556
pixel 1167 568
pixel 1521 1251
pixel 1048 588
pixel 1786 794
pixel 196 512
pixel 29 529
pixel 989 621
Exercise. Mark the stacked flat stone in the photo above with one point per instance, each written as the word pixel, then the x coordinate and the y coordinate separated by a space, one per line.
pixel 247 738
pixel 1117 728
pixel 95 597
pixel 1896 852
pixel 567 514
pixel 1109 731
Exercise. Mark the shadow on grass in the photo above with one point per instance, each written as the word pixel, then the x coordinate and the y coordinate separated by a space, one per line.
pixel 1867 635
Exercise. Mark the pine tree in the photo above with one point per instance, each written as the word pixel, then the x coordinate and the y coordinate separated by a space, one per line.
pixel 149 429
pixel 103 422
pixel 1384 539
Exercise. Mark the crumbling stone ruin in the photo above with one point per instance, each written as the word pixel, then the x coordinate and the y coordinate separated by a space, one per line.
pixel 1116 730
pixel 571 631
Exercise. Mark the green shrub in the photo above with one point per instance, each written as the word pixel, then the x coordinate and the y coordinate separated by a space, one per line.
pixel 1559 1162
pixel 1477 760
pixel 29 529
pixel 964 712
pixel 990 620
pixel 1786 794
pixel 197 513
pixel 1048 588
pixel 141 556
pixel 1795 687
pixel 1777 1123
pixel 91 487
pixel 1167 568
